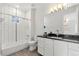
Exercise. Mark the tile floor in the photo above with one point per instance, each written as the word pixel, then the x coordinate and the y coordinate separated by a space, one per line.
pixel 25 52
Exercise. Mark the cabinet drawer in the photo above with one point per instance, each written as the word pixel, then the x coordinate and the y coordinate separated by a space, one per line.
pixel 74 46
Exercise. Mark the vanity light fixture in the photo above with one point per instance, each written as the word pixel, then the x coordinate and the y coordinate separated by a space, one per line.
pixel 52 10
pixel 55 8
pixel 58 7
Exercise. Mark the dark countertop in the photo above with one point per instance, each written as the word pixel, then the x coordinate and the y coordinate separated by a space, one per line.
pixel 71 39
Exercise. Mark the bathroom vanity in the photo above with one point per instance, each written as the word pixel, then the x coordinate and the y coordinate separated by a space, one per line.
pixel 56 46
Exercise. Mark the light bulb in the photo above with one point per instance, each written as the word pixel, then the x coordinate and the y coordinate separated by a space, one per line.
pixel 52 10
pixel 60 6
pixel 55 8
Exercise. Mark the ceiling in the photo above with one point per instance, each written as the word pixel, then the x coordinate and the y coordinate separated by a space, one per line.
pixel 27 6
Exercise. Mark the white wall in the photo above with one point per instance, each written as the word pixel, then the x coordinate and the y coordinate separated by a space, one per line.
pixel 0 34
pixel 78 20
pixel 40 12
pixel 33 14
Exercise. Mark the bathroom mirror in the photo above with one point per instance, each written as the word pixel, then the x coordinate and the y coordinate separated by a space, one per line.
pixel 66 21
pixel 53 22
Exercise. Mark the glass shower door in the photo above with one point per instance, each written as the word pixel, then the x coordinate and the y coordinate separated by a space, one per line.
pixel 23 31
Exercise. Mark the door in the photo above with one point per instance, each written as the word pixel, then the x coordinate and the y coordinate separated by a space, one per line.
pixel 60 48
pixel 41 45
pixel 48 47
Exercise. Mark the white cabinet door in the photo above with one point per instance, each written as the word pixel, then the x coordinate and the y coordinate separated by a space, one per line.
pixel 73 53
pixel 60 48
pixel 48 47
pixel 41 45
pixel 45 46
pixel 73 49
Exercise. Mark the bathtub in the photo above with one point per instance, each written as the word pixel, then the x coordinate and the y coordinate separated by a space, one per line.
pixel 8 49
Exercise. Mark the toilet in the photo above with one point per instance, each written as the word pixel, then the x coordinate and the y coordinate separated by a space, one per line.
pixel 32 45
